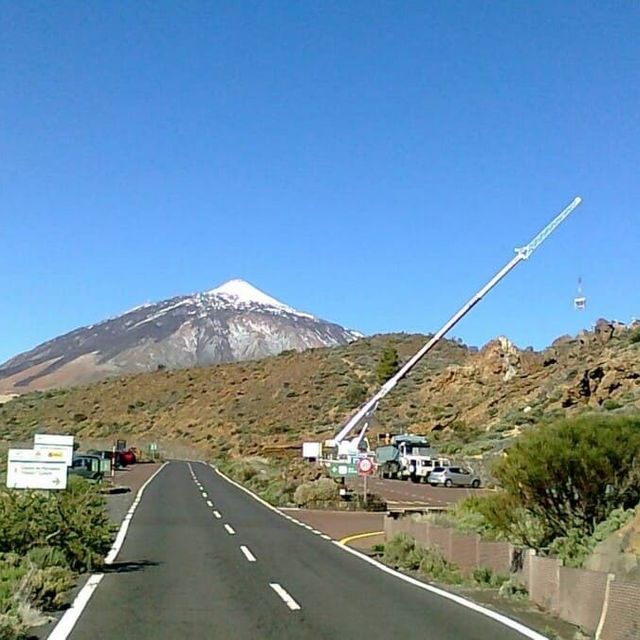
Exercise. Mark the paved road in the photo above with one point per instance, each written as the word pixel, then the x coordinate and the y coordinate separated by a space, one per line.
pixel 183 573
pixel 407 492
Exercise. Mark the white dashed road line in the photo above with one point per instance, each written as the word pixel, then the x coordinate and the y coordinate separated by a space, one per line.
pixel 288 600
pixel 217 514
pixel 247 553
pixel 209 503
pixel 204 494
pixel 230 530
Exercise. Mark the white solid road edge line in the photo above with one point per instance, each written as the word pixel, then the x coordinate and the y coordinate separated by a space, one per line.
pixel 65 626
pixel 124 527
pixel 247 553
pixel 289 601
pixel 498 617
pixel 71 615
pixel 230 529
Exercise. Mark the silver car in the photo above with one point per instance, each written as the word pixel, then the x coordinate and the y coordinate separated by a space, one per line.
pixel 453 477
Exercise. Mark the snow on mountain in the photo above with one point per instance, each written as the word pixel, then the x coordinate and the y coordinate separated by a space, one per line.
pixel 235 321
pixel 239 292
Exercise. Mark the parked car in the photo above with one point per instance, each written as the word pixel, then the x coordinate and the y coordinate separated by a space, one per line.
pixel 86 466
pixel 453 477
pixel 122 458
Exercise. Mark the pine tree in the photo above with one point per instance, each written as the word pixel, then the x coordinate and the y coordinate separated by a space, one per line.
pixel 387 365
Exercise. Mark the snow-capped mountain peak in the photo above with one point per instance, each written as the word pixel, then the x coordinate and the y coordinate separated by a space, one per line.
pixel 236 321
pixel 241 292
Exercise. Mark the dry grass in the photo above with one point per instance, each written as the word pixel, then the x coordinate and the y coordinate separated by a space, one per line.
pixel 263 406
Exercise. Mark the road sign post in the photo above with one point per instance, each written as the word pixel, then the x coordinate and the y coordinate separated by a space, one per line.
pixel 365 469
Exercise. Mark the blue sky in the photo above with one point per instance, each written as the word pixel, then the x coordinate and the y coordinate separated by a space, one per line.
pixel 371 162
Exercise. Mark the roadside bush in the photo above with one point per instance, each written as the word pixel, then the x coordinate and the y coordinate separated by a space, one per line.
pixel 262 477
pixel 513 590
pixel 485 577
pixel 401 552
pixel 574 548
pixel 566 476
pixel 45 588
pixel 375 502
pixel 74 522
pixel 44 540
pixel 319 493
pixel 11 626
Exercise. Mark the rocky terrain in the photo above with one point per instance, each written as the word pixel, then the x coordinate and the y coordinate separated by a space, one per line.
pixel 472 402
pixel 234 322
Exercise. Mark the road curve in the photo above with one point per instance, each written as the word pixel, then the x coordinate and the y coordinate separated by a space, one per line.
pixel 202 559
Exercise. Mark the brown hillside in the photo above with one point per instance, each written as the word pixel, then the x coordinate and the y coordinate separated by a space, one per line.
pixel 473 398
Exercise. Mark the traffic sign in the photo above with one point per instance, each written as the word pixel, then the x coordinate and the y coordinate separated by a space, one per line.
pixel 36 469
pixel 55 444
pixel 365 466
pixel 342 469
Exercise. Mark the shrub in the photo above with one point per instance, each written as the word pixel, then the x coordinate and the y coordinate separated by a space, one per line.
pixel 402 552
pixel 634 338
pixel 319 493
pixel 73 522
pixel 513 590
pixel 355 394
pixel 569 475
pixel 387 365
pixel 574 548
pixel 483 576
pixel 11 626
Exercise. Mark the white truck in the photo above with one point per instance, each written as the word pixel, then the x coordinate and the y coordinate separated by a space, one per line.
pixel 408 457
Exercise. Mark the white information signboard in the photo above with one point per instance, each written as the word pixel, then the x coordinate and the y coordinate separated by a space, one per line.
pixel 48 442
pixel 36 469
pixel 312 450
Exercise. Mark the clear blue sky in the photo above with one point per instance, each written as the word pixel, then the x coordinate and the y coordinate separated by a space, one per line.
pixel 371 162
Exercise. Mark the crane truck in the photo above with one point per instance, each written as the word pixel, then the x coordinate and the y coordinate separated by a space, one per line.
pixel 344 452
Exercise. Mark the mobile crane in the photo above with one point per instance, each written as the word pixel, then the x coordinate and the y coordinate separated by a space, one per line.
pixel 343 449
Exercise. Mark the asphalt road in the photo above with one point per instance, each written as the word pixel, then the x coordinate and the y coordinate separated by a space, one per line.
pixel 407 492
pixel 248 574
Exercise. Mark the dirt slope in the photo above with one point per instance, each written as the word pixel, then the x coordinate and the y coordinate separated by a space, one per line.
pixel 475 399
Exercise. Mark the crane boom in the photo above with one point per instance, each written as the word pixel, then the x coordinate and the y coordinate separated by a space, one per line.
pixel 522 253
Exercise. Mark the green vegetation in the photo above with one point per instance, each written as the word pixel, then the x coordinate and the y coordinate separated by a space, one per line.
pixel 634 338
pixel 572 474
pixel 574 548
pixel 402 552
pixel 387 365
pixel 45 540
pixel 566 486
pixel 320 493
pixel 355 394
pixel 266 478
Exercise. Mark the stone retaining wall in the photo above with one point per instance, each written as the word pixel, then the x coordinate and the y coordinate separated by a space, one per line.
pixel 592 600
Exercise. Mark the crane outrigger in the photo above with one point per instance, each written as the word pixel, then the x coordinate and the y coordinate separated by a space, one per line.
pixel 346 450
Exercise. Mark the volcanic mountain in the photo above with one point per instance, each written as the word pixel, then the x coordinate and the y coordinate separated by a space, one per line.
pixel 231 323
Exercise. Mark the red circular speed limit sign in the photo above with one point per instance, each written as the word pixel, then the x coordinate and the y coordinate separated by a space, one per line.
pixel 365 466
